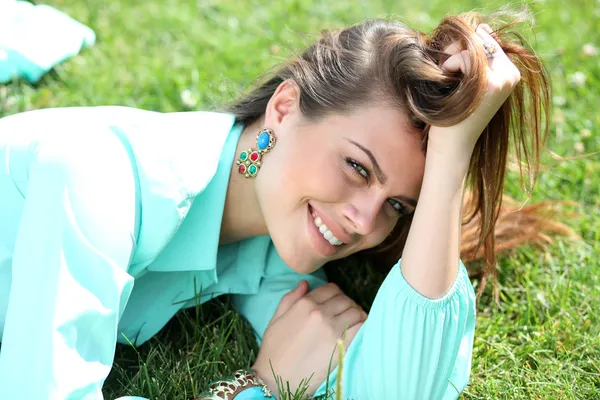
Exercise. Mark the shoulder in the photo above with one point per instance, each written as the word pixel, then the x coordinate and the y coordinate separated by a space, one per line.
pixel 181 148
pixel 174 156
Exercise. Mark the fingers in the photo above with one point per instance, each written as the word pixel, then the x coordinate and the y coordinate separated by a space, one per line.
pixel 449 51
pixel 454 48
pixel 338 304
pixel 288 301
pixel 458 59
pixel 324 293
pixel 351 333
pixel 486 28
pixel 347 336
pixel 484 32
pixel 330 304
pixel 499 63
pixel 349 318
pixel 459 62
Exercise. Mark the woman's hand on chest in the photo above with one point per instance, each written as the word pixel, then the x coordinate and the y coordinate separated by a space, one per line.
pixel 303 334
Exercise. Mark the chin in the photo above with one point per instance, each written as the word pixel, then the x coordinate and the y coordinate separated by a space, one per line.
pixel 300 264
pixel 296 259
pixel 305 269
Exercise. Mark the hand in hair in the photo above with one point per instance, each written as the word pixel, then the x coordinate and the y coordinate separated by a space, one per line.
pixel 502 77
pixel 431 254
pixel 451 105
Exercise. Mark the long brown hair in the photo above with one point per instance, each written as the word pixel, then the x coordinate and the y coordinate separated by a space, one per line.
pixel 384 60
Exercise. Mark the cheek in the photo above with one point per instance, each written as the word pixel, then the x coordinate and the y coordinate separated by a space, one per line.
pixel 318 177
pixel 329 182
pixel 383 229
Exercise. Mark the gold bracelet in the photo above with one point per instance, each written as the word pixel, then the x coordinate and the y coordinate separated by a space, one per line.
pixel 228 389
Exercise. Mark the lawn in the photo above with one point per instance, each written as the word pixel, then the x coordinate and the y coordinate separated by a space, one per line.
pixel 542 341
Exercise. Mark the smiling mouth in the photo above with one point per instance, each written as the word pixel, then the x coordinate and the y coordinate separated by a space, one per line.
pixel 325 231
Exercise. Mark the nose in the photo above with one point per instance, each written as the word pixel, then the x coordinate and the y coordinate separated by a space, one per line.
pixel 361 214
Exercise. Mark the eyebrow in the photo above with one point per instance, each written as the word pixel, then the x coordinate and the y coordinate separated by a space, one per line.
pixel 381 177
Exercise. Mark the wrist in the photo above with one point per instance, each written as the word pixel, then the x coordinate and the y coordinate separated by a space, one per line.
pixel 266 378
pixel 448 159
pixel 444 141
pixel 232 388
pixel 251 393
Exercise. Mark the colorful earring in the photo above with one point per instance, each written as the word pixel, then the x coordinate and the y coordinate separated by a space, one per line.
pixel 249 161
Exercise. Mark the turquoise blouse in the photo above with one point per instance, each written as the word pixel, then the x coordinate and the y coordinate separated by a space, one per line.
pixel 109 225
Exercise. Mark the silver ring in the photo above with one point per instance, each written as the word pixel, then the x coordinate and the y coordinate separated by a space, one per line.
pixel 490 50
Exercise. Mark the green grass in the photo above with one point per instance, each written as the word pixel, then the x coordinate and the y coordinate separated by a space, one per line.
pixel 541 342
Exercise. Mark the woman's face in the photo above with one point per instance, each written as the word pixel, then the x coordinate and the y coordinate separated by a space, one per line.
pixel 334 187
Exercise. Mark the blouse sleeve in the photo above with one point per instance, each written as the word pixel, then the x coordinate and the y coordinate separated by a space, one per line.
pixel 411 347
pixel 69 268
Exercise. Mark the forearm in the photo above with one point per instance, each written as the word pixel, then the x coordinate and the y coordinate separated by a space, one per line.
pixel 69 283
pixel 431 255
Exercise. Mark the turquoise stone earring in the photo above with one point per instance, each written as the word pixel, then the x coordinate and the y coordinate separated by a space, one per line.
pixel 249 161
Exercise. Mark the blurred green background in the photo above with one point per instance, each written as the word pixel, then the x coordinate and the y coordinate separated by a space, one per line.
pixel 542 341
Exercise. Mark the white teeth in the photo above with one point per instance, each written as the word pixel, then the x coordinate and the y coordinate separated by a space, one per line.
pixel 327 234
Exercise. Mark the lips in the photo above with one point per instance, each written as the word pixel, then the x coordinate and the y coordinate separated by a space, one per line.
pixel 337 230
pixel 326 232
pixel 326 245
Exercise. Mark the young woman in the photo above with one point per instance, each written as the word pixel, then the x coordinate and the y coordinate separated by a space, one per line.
pixel 113 219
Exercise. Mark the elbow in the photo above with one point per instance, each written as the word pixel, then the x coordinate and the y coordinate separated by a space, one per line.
pixel 429 284
pixel 436 292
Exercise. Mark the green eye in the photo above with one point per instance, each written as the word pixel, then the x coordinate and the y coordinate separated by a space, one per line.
pixel 359 168
pixel 399 207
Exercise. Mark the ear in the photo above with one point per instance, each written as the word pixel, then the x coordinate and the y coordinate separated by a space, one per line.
pixel 283 105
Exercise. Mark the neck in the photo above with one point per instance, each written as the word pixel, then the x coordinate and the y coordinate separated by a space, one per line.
pixel 242 216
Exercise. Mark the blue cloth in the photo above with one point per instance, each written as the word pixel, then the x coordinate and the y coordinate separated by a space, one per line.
pixel 411 347
pixel 109 225
pixel 253 393
pixel 33 39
